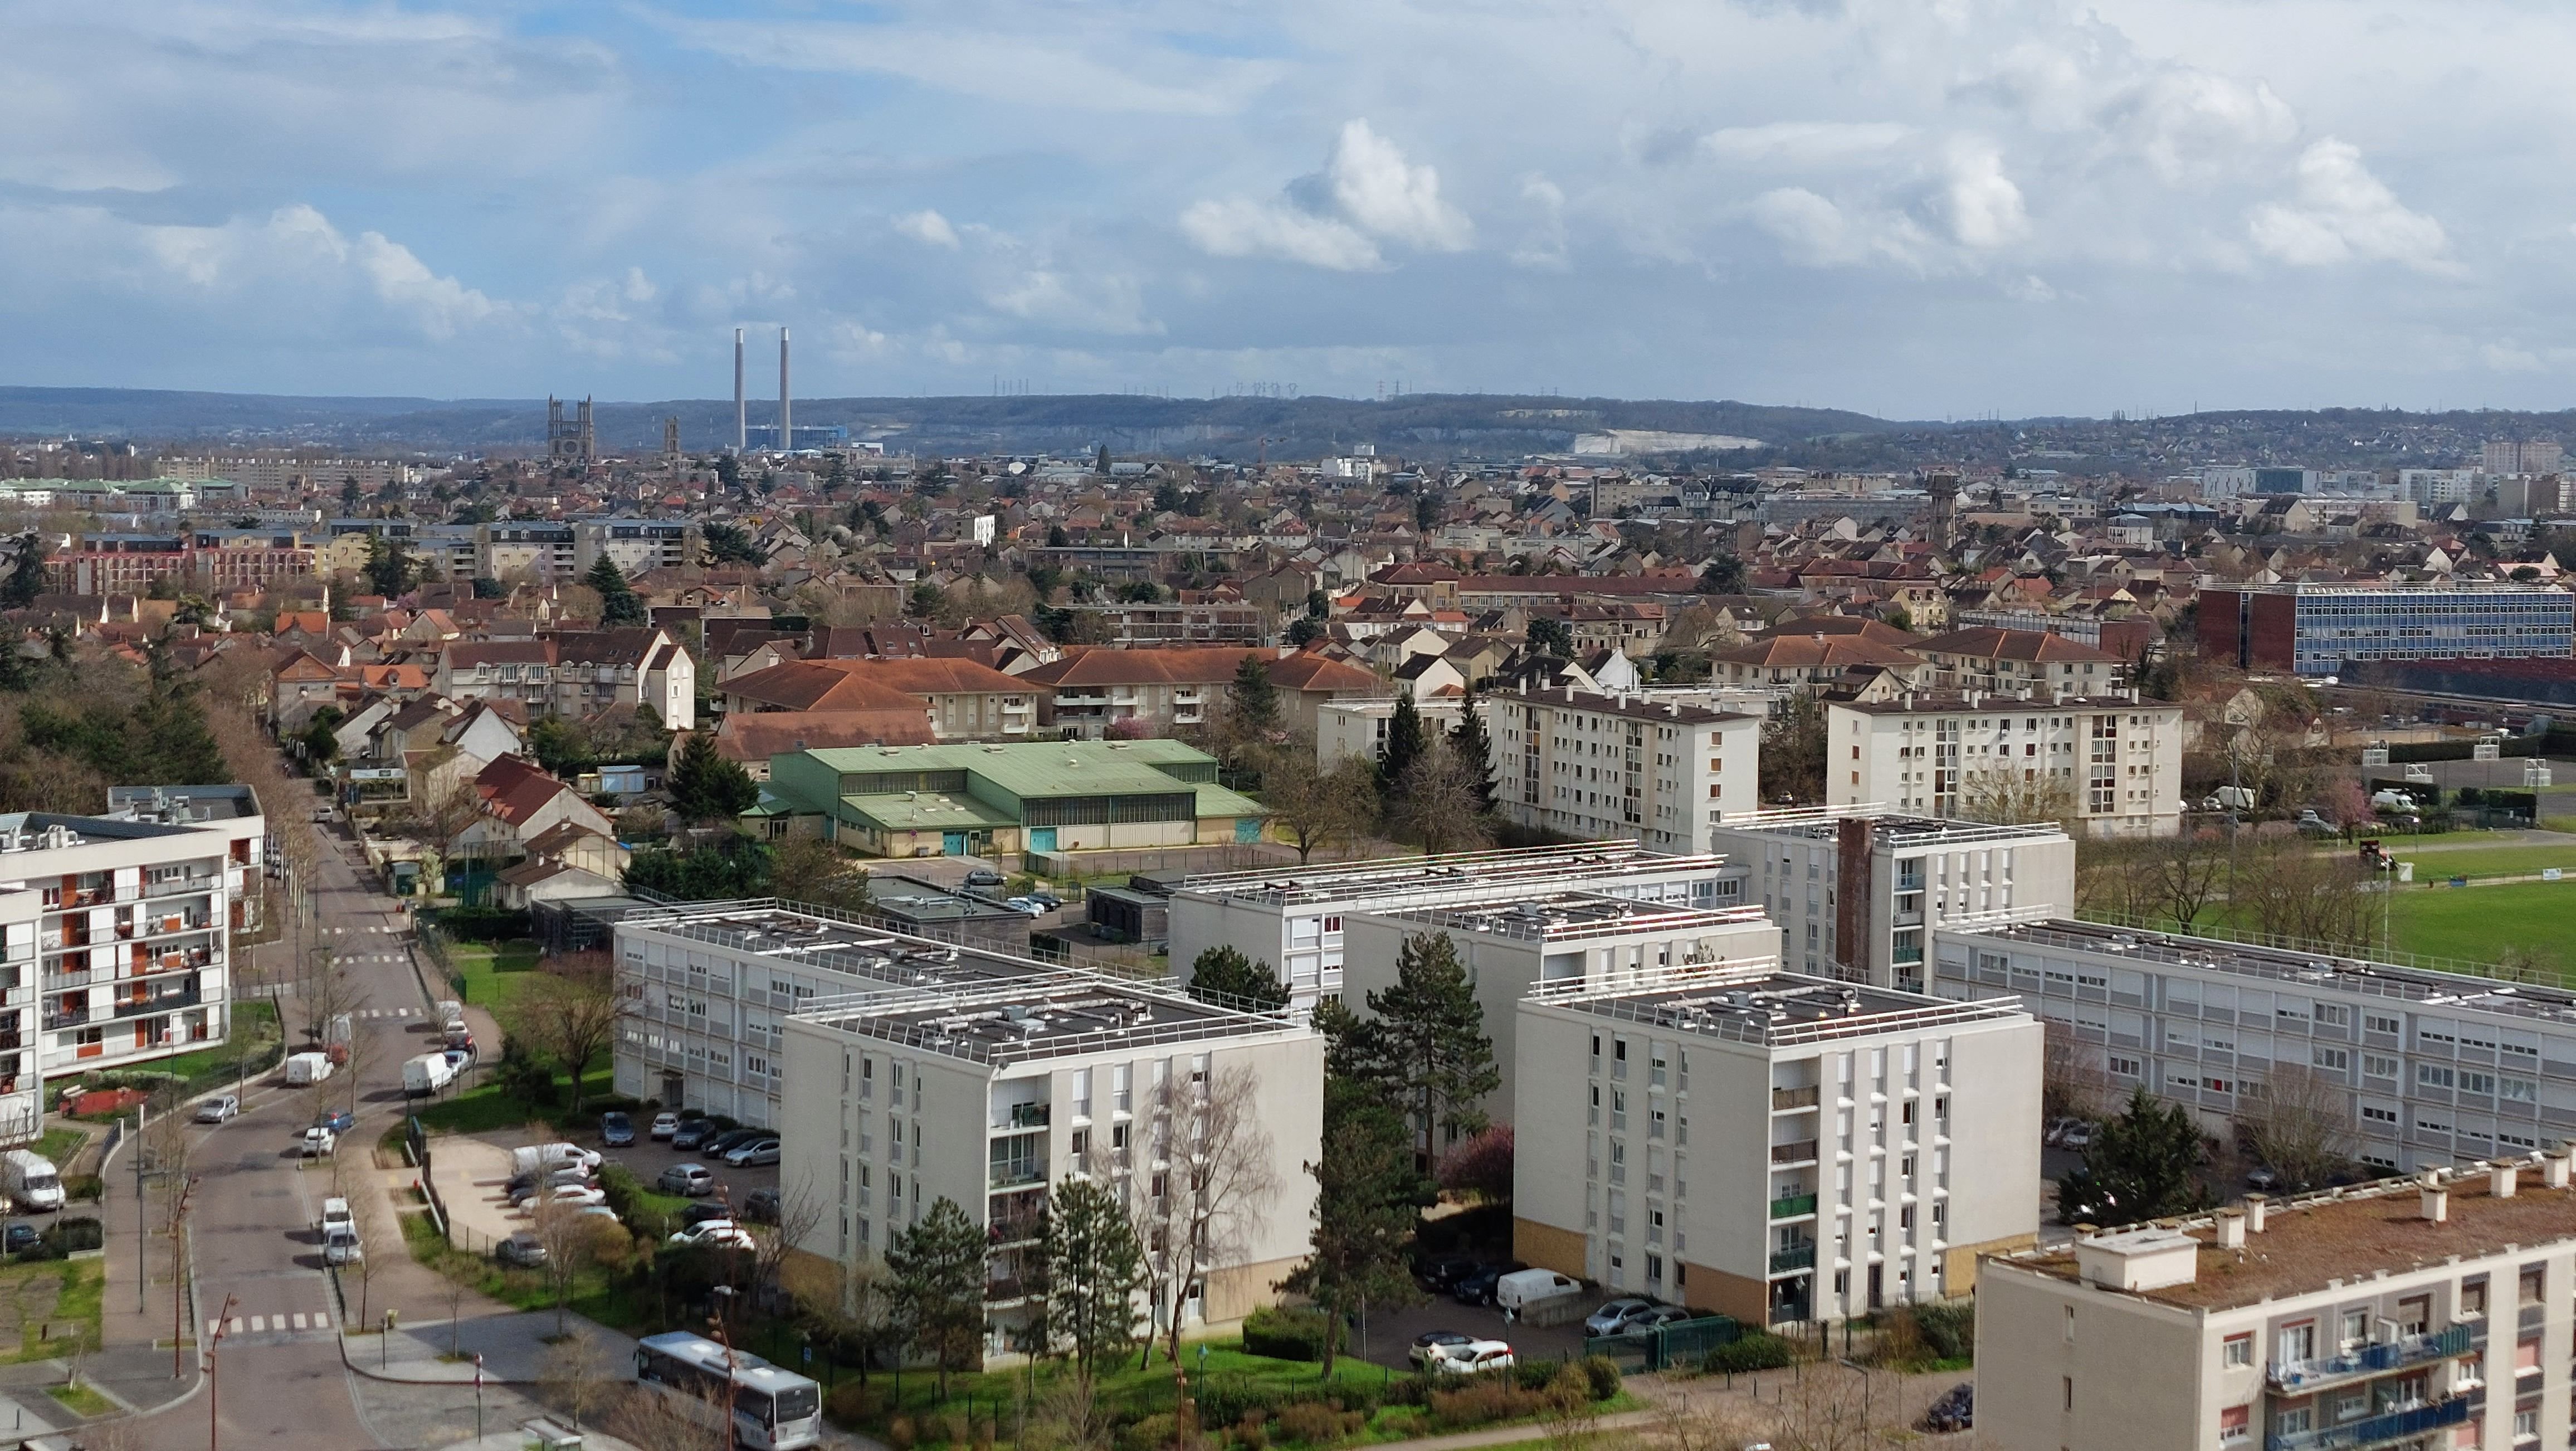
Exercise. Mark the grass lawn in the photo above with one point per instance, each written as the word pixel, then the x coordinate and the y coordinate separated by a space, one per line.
pixel 2486 861
pixel 493 971
pixel 58 1145
pixel 254 1030
pixel 2481 922
pixel 485 1107
pixel 71 1310
pixel 82 1399
pixel 609 1298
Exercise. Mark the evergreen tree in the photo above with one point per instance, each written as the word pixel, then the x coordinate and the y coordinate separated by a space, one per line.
pixel 1724 576
pixel 1476 752
pixel 26 573
pixel 1425 1043
pixel 1251 697
pixel 1406 742
pixel 707 787
pixel 2138 1167
pixel 1094 1269
pixel 1227 978
pixel 1368 1195
pixel 938 1269
pixel 619 604
pixel 1549 636
pixel 390 568
pixel 1343 1034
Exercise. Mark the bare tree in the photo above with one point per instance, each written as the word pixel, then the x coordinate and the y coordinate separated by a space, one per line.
pixel 2074 1080
pixel 653 1421
pixel 1435 802
pixel 2295 892
pixel 1208 1187
pixel 2011 797
pixel 800 1210
pixel 2111 876
pixel 1314 807
pixel 572 1010
pixel 2300 1122
pixel 573 1241
pixel 2185 871
pixel 577 1376
pixel 1825 1408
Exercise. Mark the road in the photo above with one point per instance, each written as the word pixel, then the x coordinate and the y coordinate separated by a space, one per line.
pixel 279 1380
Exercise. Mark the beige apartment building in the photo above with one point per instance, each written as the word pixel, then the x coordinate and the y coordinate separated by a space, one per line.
pixel 2110 765
pixel 1776 1147
pixel 1596 766
pixel 2431 1312
pixel 989 1096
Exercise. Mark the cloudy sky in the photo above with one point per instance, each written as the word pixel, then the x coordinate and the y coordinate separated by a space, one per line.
pixel 1918 208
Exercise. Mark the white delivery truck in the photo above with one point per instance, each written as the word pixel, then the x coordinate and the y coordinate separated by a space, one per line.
pixel 307 1068
pixel 426 1074
pixel 30 1181
pixel 559 1155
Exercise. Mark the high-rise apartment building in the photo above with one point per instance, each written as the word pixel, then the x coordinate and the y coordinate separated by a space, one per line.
pixel 2109 764
pixel 2319 629
pixel 1597 766
pixel 2503 456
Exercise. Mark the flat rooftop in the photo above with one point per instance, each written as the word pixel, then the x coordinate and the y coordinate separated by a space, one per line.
pixel 2001 702
pixel 1626 707
pixel 2346 1234
pixel 2424 987
pixel 1763 1005
pixel 179 805
pixel 881 959
pixel 1892 829
pixel 46 830
pixel 1473 870
pixel 1572 916
pixel 1063 1014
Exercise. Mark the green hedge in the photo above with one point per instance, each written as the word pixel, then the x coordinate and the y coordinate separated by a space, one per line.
pixel 1286 1334
pixel 481 924
pixel 1757 1351
pixel 1949 1328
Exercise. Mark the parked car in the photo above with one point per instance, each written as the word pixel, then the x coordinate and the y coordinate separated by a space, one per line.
pixel 2262 1179
pixel 1656 1318
pixel 702 1211
pixel 603 1212
pixel 1478 1288
pixel 458 1059
pixel 690 1179
pixel 560 1182
pixel 692 1133
pixel 1430 1345
pixel 665 1125
pixel 522 1249
pixel 728 1141
pixel 721 1232
pixel 319 1142
pixel 756 1152
pixel 1613 1317
pixel 2078 1135
pixel 218 1108
pixel 1955 1411
pixel 984 877
pixel 578 1196
pixel 1440 1272
pixel 616 1130
pixel 760 1206
pixel 1472 1357
pixel 20 1235
pixel 337 1120
pixel 1027 905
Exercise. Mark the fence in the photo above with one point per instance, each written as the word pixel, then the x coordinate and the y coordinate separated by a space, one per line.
pixel 416 1138
pixel 433 945
pixel 1683 1342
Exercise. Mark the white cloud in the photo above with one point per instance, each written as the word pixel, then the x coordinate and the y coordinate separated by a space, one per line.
pixel 1047 295
pixel 1983 206
pixel 2342 213
pixel 298 244
pixel 1366 194
pixel 927 227
pixel 1805 143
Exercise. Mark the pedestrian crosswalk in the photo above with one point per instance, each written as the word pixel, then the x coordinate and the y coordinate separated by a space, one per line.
pixel 286 1323
pixel 382 1013
pixel 346 958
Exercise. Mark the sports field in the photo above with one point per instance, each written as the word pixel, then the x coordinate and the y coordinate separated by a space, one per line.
pixel 2480 923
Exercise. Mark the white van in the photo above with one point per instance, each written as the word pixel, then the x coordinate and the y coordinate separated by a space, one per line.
pixel 426 1074
pixel 1521 1289
pixel 339 1233
pixel 30 1181
pixel 307 1068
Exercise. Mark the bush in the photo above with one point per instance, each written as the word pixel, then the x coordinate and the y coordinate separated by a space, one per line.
pixel 68 1236
pixel 1534 1375
pixel 1285 1334
pixel 1252 1434
pixel 1153 1433
pixel 1949 1328
pixel 851 1404
pixel 1313 1422
pixel 1757 1351
pixel 626 1195
pixel 900 1434
pixel 83 1187
pixel 482 924
pixel 1603 1373
pixel 1493 1398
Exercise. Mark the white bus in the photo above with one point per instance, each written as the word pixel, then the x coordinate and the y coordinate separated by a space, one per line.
pixel 773 1409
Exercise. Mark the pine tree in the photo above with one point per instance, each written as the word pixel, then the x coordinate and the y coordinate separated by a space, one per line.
pixel 938 1268
pixel 1253 700
pixel 1227 978
pixel 1425 1043
pixel 390 569
pixel 1405 743
pixel 2138 1167
pixel 1094 1268
pixel 26 573
pixel 1368 1195
pixel 707 787
pixel 619 604
pixel 1476 752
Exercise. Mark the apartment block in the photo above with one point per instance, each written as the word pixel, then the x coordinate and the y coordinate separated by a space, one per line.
pixel 2111 765
pixel 634 545
pixel 990 1097
pixel 1776 1147
pixel 522 549
pixel 1298 919
pixel 1593 766
pixel 1550 940
pixel 1857 895
pixel 2359 1318
pixel 2319 629
pixel 2433 1068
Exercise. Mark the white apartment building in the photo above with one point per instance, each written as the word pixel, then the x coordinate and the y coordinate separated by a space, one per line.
pixel 526 549
pixel 988 1097
pixel 1857 894
pixel 1555 940
pixel 1772 1146
pixel 1298 919
pixel 2435 1068
pixel 1347 728
pixel 2358 1318
pixel 1594 766
pixel 2110 764
pixel 708 987
pixel 636 545
pixel 450 551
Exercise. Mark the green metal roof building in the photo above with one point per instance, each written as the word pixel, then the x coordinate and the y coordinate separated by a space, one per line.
pixel 1035 796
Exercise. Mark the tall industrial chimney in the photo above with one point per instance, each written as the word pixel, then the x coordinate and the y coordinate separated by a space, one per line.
pixel 741 428
pixel 786 427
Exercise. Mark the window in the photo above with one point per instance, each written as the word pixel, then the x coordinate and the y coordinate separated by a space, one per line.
pixel 2414 1314
pixel 2235 1423
pixel 2066 1389
pixel 2531 1283
pixel 2374 1065
pixel 2298 1343
pixel 2235 1351
pixel 2333 1060
pixel 2380 1023
pixel 2473 1299
pixel 2433 1075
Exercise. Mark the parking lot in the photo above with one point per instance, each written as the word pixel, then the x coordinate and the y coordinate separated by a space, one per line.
pixel 646 1159
pixel 1390 1332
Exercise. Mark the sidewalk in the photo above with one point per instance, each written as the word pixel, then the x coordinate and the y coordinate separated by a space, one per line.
pixel 134 1365
pixel 511 1343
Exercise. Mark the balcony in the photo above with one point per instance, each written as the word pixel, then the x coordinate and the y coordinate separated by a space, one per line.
pixel 2376 1430
pixel 1016 1173
pixel 1802 1152
pixel 1022 1116
pixel 1798 1257
pixel 2300 1377
pixel 138 1007
pixel 1785 1099
pixel 1794 1207
pixel 69 1019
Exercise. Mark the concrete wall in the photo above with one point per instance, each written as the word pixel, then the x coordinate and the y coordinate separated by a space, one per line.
pixel 2136 1369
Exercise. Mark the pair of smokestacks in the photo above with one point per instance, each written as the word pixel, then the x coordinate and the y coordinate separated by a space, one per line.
pixel 741 421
